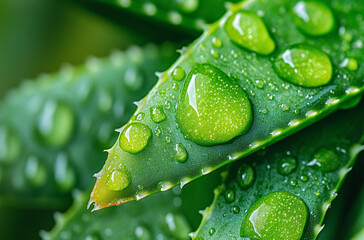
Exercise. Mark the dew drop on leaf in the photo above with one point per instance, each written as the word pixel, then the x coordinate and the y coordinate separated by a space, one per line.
pixel 313 17
pixel 35 172
pixel 178 73
pixel 117 180
pixel 157 114
pixel 181 152
pixel 9 146
pixel 188 6
pixel 246 176
pixel 248 30
pixel 212 109
pixel 229 196
pixel 64 174
pixel 325 160
pixel 212 231
pixel 277 215
pixel 56 124
pixel 135 137
pixel 304 65
pixel 286 165
pixel 350 63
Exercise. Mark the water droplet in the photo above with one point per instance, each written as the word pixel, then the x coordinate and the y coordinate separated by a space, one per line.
pixel 304 65
pixel 175 86
pixel 56 124
pixel 303 178
pixel 176 225
pixel 213 109
pixel 214 53
pixel 287 165
pixel 349 63
pixel 236 209
pixel 133 79
pixel 277 215
pixel 142 233
pixel 212 231
pixel 216 42
pixel 325 160
pixel 188 6
pixel 135 137
pixel 229 196
pixel 317 193
pixel 313 17
pixel 10 146
pixel 64 174
pixel 246 176
pixel 181 152
pixel 35 172
pixel 259 84
pixel 140 116
pixel 117 180
pixel 248 30
pixel 157 114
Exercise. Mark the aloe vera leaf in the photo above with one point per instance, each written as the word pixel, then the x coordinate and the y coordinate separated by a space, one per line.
pixel 157 156
pixel 53 130
pixel 355 220
pixel 324 153
pixel 166 215
pixel 189 14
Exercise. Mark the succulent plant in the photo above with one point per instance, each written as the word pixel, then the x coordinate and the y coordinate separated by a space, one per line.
pixel 256 124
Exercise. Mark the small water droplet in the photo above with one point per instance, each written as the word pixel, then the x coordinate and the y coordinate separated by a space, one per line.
pixel 349 63
pixel 157 114
pixel 214 53
pixel 277 215
pixel 235 209
pixel 142 233
pixel 212 231
pixel 216 42
pixel 259 84
pixel 140 116
pixel 248 30
pixel 181 152
pixel 176 225
pixel 325 160
pixel 10 146
pixel 64 174
pixel 175 86
pixel 246 176
pixel 313 17
pixel 56 124
pixel 35 172
pixel 304 65
pixel 133 79
pixel 229 196
pixel 317 193
pixel 286 165
pixel 188 6
pixel 118 180
pixel 135 137
pixel 303 178
pixel 212 108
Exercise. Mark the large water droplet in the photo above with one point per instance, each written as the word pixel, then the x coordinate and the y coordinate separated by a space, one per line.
pixel 350 63
pixel 313 17
pixel 117 180
pixel 56 124
pixel 246 176
pixel 212 109
pixel 64 174
pixel 142 233
pixel 157 114
pixel 176 225
pixel 325 160
pixel 178 73
pixel 287 165
pixel 181 152
pixel 135 137
pixel 277 215
pixel 248 30
pixel 304 65
pixel 9 146
pixel 35 172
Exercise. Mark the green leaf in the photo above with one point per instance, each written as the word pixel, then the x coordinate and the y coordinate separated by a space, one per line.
pixel 53 130
pixel 189 14
pixel 167 215
pixel 322 156
pixel 237 96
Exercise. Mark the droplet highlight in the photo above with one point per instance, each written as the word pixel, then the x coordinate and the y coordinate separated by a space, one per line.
pixel 157 114
pixel 245 176
pixel 286 165
pixel 181 152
